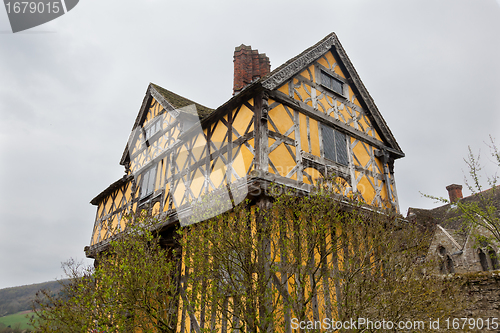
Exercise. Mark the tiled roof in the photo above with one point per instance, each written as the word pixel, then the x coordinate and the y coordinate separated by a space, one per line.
pixel 450 216
pixel 179 102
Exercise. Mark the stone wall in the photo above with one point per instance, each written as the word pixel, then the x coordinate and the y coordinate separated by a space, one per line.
pixel 483 290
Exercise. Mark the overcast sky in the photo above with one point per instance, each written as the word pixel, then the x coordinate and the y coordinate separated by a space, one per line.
pixel 70 91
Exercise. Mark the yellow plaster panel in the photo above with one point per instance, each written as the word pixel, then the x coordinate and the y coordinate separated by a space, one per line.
pixel 100 208
pixel 175 133
pixel 128 192
pixel 242 162
pixel 315 175
pixel 181 157
pixel 168 119
pixel 330 58
pixel 156 209
pixel 179 192
pixel 109 203
pixel 218 172
pixel 281 119
pixel 304 94
pixel 364 123
pixel 341 186
pixel 339 72
pixel 104 230
pixel 323 101
pixel 118 199
pixel 284 89
pixel 251 143
pixel 282 160
pixel 351 96
pixel 361 154
pixel 313 130
pixel 312 68
pixel 219 133
pixel 306 74
pixel 199 146
pixel 114 224
pixel 244 117
pixel 322 61
pixel 123 223
pixel 366 190
pixel 197 183
pixel 270 141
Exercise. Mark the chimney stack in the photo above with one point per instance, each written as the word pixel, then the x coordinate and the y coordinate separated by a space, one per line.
pixel 249 65
pixel 454 192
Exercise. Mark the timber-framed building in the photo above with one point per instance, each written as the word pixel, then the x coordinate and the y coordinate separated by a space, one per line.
pixel 311 117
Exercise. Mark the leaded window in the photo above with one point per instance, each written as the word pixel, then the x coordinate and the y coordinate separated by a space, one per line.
pixel 153 129
pixel 148 182
pixel 334 145
pixel 331 83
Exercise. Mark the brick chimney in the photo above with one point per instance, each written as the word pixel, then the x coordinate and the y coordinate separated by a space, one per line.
pixel 249 65
pixel 454 192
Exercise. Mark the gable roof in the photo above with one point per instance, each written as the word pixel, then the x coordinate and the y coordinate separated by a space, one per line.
pixel 180 102
pixel 170 101
pixel 297 64
pixel 273 80
pixel 451 218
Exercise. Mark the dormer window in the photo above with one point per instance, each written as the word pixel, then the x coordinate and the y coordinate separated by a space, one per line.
pixel 332 83
pixel 335 145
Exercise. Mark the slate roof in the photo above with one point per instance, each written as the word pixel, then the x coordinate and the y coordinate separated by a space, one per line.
pixel 179 102
pixel 450 216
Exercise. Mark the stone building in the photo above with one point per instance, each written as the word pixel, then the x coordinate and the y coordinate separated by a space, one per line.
pixel 456 243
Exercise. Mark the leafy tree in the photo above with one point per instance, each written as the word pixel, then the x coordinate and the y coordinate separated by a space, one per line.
pixel 306 258
pixel 134 285
pixel 284 258
pixel 483 211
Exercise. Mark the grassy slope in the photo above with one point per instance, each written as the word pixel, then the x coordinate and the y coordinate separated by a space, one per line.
pixel 18 318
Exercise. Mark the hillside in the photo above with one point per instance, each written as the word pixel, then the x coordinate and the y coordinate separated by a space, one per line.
pixel 16 299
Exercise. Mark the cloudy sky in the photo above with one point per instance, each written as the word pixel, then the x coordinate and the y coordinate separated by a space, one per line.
pixel 70 91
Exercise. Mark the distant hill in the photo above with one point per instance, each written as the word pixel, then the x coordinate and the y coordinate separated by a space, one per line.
pixel 16 299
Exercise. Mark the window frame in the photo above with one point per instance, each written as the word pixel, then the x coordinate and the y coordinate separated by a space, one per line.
pixel 332 78
pixel 146 191
pixel 157 129
pixel 340 157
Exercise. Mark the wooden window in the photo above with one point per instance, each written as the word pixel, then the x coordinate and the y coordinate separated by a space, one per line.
pixel 148 182
pixel 152 129
pixel 332 83
pixel 334 145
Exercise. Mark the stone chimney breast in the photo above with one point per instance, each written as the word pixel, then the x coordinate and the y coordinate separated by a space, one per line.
pixel 454 192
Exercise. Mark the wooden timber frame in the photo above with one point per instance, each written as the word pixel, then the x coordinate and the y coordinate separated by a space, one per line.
pixel 272 119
